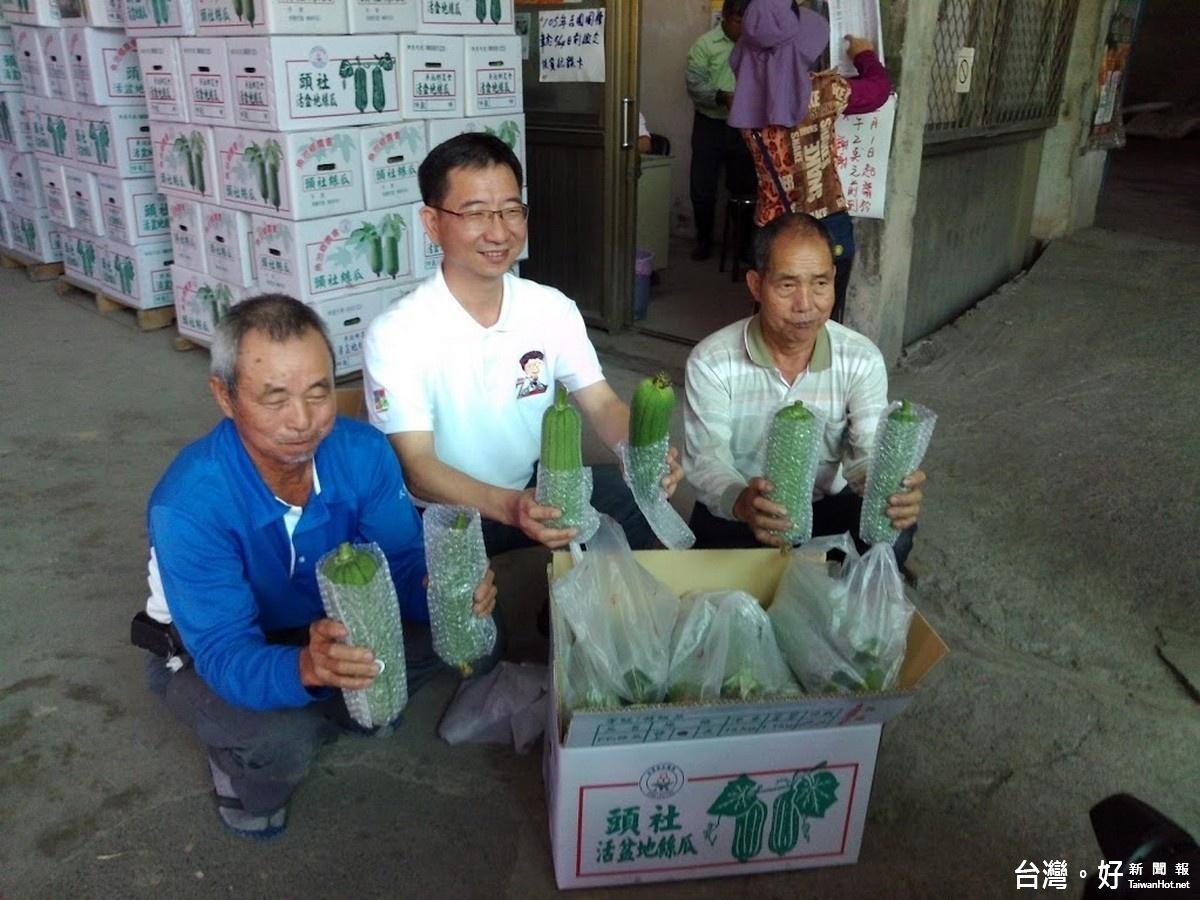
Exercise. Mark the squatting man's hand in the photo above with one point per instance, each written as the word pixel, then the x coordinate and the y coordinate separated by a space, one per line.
pixel 327 662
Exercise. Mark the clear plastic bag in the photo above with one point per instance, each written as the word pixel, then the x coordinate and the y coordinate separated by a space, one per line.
pixel 371 613
pixel 723 646
pixel 843 629
pixel 644 469
pixel 456 560
pixel 620 619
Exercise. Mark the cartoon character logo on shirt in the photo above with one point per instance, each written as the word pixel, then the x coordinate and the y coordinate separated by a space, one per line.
pixel 533 364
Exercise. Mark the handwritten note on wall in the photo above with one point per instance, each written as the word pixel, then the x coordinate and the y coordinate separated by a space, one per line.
pixel 571 45
pixel 863 145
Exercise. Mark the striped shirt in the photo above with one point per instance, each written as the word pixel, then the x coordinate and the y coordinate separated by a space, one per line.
pixel 734 388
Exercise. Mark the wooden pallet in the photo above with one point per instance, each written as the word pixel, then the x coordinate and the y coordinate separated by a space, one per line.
pixel 36 269
pixel 147 319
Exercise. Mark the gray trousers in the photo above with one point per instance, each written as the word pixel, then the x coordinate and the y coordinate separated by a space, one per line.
pixel 267 754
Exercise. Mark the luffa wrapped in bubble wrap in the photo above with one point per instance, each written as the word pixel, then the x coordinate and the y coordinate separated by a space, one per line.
pixel 457 560
pixel 357 590
pixel 900 445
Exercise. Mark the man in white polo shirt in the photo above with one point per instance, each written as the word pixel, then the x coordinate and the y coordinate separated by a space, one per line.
pixel 459 372
pixel 740 376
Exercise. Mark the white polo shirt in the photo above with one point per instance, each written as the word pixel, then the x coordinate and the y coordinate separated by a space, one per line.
pixel 428 366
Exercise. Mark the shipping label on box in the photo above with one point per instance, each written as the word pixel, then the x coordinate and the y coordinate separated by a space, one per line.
pixel 293 175
pixel 56 62
pixel 228 244
pixel 201 301
pixel 133 209
pixel 81 256
pixel 732 806
pixel 391 155
pixel 510 129
pixel 10 70
pixel 113 140
pixel 431 72
pixel 426 255
pixel 28 50
pixel 32 232
pixel 162 79
pixel 160 18
pixel 293 83
pixel 139 274
pixel 207 79
pixel 465 17
pixel 31 12
pixel 24 179
pixel 239 17
pixel 104 67
pixel 493 67
pixel 83 199
pixel 50 127
pixel 54 192
pixel 14 127
pixel 184 159
pixel 320 258
pixel 382 16
pixel 346 319
pixel 187 233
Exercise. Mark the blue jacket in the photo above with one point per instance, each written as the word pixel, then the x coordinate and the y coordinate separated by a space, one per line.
pixel 222 550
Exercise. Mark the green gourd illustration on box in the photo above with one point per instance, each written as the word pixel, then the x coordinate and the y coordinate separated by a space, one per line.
pixel 244 10
pixel 265 161
pixel 376 95
pixel 189 153
pixel 6 121
pixel 509 132
pixel 806 795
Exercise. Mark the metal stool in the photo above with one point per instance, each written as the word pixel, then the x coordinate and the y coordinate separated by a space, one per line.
pixel 739 213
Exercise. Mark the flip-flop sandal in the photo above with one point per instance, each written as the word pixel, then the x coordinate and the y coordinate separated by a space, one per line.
pixel 258 828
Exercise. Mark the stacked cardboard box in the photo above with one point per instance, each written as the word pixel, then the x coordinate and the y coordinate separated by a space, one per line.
pixel 288 146
pixel 76 147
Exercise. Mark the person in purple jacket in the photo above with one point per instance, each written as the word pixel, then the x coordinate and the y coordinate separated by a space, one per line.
pixel 241 649
pixel 786 114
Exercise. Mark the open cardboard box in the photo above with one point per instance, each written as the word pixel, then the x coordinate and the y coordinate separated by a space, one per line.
pixel 631 792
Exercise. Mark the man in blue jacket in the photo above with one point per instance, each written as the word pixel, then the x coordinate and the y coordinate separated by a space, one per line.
pixel 237 525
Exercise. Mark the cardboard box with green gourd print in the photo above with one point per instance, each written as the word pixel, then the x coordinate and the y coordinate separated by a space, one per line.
pixel 133 209
pixel 81 254
pixel 208 84
pixel 33 234
pixel 326 257
pixel 185 221
pixel 104 67
pixel 112 140
pixel 236 17
pixel 291 175
pixel 139 276
pixel 10 72
pixel 24 179
pixel 228 244
pixel 54 191
pixel 184 157
pixel 14 126
pixel 28 52
pixel 83 200
pixel 299 83
pixel 159 18
pixel 201 301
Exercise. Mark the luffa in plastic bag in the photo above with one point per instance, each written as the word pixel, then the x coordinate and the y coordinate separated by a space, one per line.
pixel 844 630
pixel 457 560
pixel 620 617
pixel 723 646
pixel 900 444
pixel 365 602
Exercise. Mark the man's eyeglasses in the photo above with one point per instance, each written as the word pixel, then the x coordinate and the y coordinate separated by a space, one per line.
pixel 481 219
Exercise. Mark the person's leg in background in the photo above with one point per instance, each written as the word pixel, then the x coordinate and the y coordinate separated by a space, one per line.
pixel 741 180
pixel 708 150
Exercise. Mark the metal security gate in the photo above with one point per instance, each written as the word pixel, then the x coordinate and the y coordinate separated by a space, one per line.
pixel 1020 55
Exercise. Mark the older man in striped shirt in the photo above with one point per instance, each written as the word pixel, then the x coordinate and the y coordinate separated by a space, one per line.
pixel 740 376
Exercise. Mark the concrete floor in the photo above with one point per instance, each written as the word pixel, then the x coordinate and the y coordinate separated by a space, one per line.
pixel 1058 560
